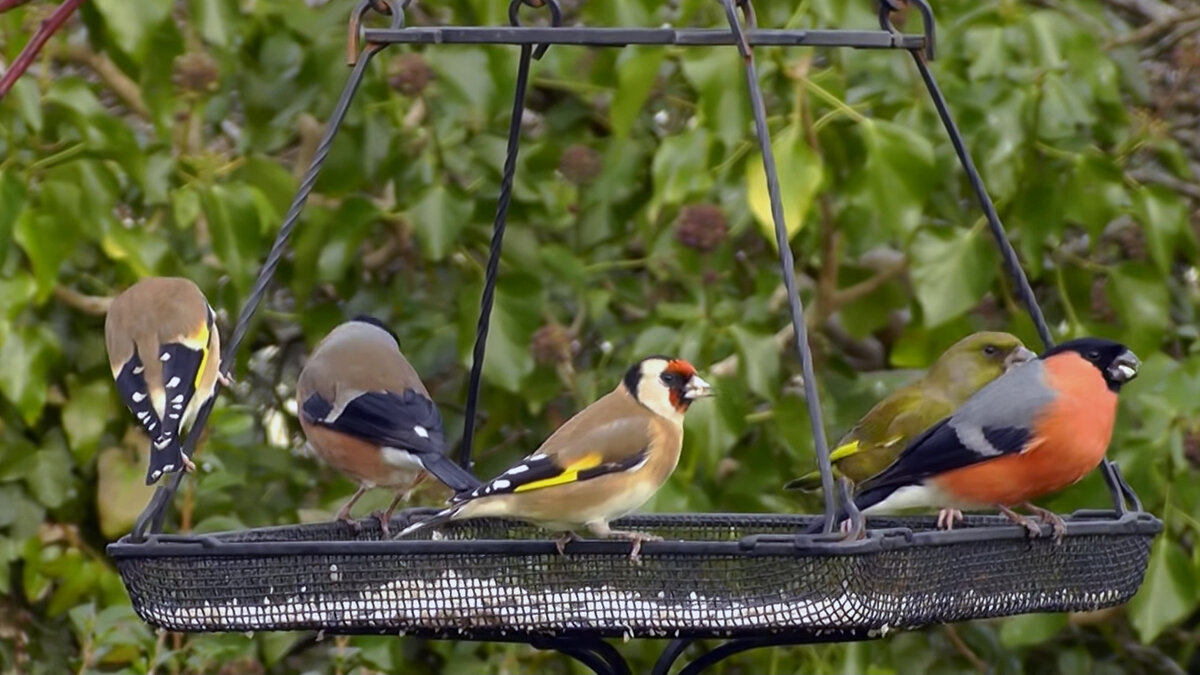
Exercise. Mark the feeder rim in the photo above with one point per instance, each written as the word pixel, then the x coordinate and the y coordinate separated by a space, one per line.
pixel 1087 522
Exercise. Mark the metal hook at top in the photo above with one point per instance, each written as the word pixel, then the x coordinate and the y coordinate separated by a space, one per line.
pixel 514 17
pixel 751 19
pixel 887 7
pixel 355 30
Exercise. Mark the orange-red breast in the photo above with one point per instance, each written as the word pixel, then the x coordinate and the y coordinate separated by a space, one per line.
pixel 366 413
pixel 603 463
pixel 1034 431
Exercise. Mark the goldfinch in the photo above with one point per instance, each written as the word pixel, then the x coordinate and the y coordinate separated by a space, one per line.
pixel 164 351
pixel 366 413
pixel 603 463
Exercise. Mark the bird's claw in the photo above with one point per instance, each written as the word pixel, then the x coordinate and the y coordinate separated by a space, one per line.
pixel 561 541
pixel 1057 525
pixel 383 517
pixel 946 518
pixel 188 465
pixel 350 522
pixel 637 538
pixel 1024 521
pixel 224 379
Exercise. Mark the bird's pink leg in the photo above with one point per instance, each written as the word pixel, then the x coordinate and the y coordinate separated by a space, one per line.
pixel 1023 521
pixel 343 513
pixel 1056 523
pixel 601 529
pixel 385 517
pixel 948 517
pixel 561 541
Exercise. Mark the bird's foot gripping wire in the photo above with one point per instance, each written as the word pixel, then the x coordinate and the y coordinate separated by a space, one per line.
pixel 1057 525
pixel 1024 521
pixel 946 518
pixel 601 529
pixel 343 513
pixel 561 541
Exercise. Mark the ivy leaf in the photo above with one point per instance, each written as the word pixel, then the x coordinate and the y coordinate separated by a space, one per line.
pixel 899 173
pixel 439 218
pixel 1168 593
pixel 637 70
pixel 31 350
pixel 952 269
pixel 800 173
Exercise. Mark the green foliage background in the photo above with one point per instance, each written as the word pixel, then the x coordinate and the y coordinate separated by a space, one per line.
pixel 158 137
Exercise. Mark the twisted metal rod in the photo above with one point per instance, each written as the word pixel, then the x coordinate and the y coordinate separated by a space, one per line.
pixel 787 262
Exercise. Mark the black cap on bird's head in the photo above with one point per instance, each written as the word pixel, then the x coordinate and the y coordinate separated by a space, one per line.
pixel 1114 360
pixel 367 318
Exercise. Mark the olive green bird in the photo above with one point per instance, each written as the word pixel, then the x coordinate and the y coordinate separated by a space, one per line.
pixel 877 439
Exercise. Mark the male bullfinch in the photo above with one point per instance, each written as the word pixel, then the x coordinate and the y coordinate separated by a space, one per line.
pixel 164 349
pixel 603 463
pixel 1031 432
pixel 366 413
pixel 877 439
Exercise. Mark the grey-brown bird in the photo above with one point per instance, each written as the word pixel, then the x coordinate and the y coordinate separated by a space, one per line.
pixel 603 463
pixel 164 350
pixel 366 413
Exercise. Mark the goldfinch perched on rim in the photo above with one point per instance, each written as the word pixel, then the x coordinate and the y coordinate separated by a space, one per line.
pixel 602 464
pixel 164 351
pixel 366 412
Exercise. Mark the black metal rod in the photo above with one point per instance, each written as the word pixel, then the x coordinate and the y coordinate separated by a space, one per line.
pixel 620 37
pixel 493 264
pixel 156 510
pixel 669 655
pixel 787 266
pixel 1117 487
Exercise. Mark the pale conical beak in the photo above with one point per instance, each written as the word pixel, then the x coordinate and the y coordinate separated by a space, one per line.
pixel 1018 356
pixel 1125 367
pixel 697 388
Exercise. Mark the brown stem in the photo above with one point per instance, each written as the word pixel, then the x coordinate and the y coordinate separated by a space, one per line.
pixel 96 305
pixel 965 650
pixel 48 28
pixel 1152 30
pixel 117 81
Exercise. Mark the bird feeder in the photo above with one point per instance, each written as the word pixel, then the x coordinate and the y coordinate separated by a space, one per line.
pixel 751 580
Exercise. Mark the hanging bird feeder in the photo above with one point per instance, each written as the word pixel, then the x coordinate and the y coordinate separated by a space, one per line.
pixel 751 578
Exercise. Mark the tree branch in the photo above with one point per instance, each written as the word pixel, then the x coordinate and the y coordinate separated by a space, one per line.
pixel 1153 29
pixel 96 305
pixel 117 81
pixel 48 28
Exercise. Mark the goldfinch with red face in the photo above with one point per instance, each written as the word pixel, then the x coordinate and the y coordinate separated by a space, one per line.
pixel 164 350
pixel 1031 432
pixel 602 464
pixel 366 413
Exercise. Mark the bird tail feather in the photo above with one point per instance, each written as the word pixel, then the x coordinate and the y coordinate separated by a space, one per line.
pixel 454 476
pixel 166 456
pixel 439 518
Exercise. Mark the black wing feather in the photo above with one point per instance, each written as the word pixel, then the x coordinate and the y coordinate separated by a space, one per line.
pixel 543 468
pixel 395 420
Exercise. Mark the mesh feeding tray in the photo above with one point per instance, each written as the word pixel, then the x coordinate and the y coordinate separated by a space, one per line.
pixel 716 575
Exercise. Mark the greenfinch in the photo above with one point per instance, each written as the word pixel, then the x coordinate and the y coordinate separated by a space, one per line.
pixel 877 439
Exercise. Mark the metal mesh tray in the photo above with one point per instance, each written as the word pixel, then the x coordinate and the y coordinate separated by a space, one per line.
pixel 716 575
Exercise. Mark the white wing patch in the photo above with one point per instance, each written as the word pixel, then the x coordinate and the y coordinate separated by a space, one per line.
pixel 421 431
pixel 972 437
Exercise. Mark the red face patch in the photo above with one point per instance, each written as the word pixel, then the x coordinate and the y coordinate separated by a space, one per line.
pixel 685 370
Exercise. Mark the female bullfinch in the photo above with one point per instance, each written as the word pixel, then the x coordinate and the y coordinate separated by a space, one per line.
pixel 366 413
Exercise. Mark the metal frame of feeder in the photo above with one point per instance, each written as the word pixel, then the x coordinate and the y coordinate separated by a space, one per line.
pixel 147 539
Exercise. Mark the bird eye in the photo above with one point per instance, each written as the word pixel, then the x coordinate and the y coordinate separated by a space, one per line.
pixel 670 378
pixel 990 349
pixel 1093 355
